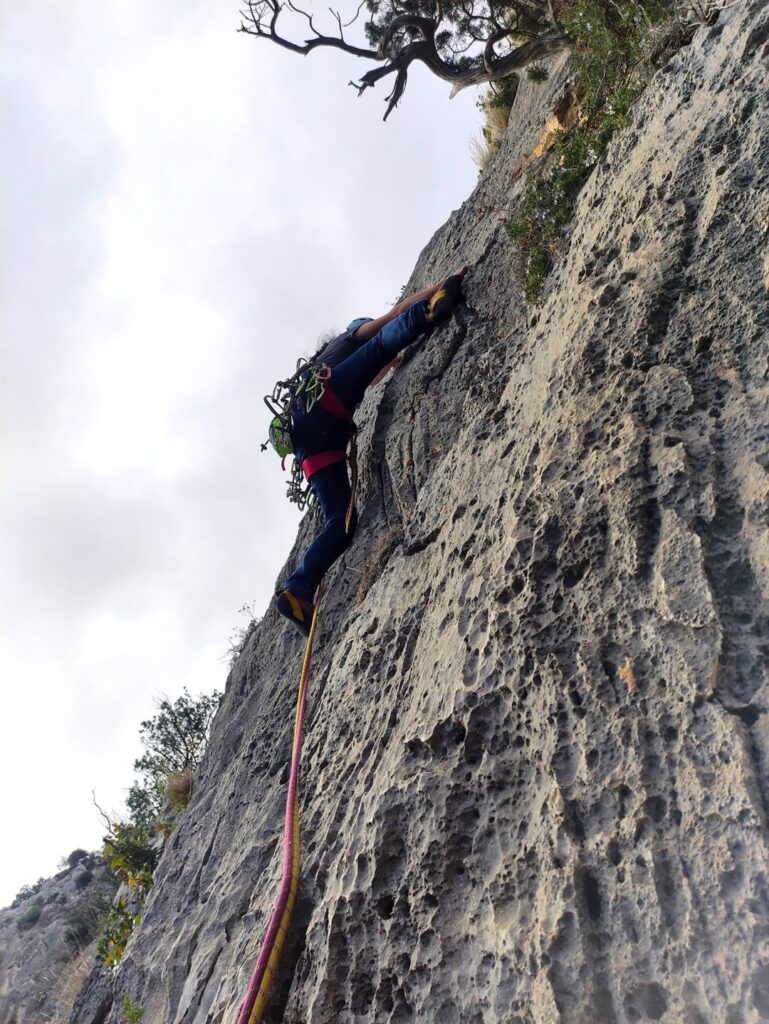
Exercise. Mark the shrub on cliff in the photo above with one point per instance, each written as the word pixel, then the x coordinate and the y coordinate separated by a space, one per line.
pixel 174 740
pixel 27 892
pixel 29 917
pixel 131 1014
pixel 116 932
pixel 617 46
pixel 496 105
pixel 85 916
pixel 240 635
pixel 131 856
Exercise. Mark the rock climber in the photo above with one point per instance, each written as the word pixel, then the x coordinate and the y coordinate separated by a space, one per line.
pixel 359 356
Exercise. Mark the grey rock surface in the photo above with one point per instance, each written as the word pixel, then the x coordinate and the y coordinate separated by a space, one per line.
pixel 46 943
pixel 536 776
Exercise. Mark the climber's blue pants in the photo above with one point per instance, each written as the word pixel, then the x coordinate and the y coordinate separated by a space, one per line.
pixel 354 374
pixel 349 380
pixel 332 492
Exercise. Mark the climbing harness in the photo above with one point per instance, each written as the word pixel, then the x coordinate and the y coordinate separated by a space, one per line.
pixel 254 1004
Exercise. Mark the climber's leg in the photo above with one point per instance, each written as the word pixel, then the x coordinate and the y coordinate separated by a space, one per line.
pixel 331 487
pixel 353 375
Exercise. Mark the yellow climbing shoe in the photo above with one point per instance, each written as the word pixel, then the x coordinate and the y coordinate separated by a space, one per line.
pixel 447 298
pixel 297 609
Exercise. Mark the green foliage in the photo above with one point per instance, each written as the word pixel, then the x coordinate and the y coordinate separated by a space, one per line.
pixel 131 1014
pixel 86 915
pixel 129 853
pixel 144 801
pixel 174 741
pixel 116 932
pixel 496 104
pixel 29 917
pixel 461 25
pixel 536 73
pixel 612 43
pixel 131 858
pixel 27 892
pixel 175 737
pixel 501 94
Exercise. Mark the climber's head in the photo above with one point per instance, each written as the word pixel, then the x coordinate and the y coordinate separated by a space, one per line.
pixel 355 324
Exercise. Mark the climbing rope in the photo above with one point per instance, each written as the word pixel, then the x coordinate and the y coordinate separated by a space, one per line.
pixel 274 938
pixel 352 458
pixel 269 955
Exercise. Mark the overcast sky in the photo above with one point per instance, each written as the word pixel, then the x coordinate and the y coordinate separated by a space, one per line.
pixel 183 211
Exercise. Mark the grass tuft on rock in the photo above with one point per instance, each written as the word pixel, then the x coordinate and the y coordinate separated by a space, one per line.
pixel 29 917
pixel 496 104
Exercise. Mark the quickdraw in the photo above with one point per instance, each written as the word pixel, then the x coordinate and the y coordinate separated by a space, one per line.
pixel 252 1010
pixel 308 380
pixel 306 383
pixel 298 490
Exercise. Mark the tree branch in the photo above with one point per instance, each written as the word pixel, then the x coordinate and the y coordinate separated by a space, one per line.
pixel 416 35
pixel 262 16
pixel 425 25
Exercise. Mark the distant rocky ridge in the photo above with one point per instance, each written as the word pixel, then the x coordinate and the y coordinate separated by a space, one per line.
pixel 536 779
pixel 46 942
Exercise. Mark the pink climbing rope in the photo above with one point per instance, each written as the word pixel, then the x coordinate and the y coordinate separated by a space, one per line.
pixel 266 967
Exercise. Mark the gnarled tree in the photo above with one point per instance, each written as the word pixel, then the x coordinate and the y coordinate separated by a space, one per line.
pixel 464 42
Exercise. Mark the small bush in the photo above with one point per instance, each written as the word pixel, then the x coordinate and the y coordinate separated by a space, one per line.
pixel 27 892
pixel 131 858
pixel 131 1014
pixel 536 73
pixel 174 741
pixel 496 105
pixel 179 789
pixel 129 852
pixel 29 917
pixel 116 932
pixel 86 915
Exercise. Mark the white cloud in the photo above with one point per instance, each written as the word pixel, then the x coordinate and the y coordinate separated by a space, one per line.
pixel 184 212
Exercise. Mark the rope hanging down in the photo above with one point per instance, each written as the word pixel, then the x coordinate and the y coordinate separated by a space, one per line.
pixel 267 962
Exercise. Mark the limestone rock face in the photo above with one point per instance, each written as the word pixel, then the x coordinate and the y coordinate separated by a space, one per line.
pixel 46 946
pixel 536 777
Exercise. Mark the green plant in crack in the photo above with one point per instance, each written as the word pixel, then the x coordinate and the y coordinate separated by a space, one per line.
pixel 131 1014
